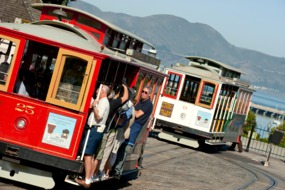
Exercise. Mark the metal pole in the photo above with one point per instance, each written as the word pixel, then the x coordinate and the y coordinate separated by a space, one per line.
pixel 266 163
pixel 251 132
pixel 90 125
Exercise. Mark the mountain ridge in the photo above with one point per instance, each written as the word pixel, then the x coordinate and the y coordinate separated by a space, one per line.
pixel 176 37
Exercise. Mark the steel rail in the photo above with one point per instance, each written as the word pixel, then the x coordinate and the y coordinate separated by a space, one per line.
pixel 271 181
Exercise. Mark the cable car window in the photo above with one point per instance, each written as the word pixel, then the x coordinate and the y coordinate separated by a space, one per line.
pixel 7 50
pixel 114 73
pixel 36 70
pixel 116 40
pixel 4 68
pixel 71 80
pixel 82 19
pixel 172 84
pixel 190 89
pixel 124 41
pixel 207 94
pixel 108 37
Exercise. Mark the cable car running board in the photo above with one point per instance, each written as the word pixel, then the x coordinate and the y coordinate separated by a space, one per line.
pixel 179 139
pixel 28 175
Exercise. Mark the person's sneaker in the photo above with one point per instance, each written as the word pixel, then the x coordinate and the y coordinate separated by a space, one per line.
pixel 92 179
pixel 104 176
pixel 116 175
pixel 96 177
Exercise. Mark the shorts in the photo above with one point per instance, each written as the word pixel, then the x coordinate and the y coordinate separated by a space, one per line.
pixel 94 141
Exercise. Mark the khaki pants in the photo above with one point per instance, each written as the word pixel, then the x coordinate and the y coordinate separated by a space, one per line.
pixel 107 149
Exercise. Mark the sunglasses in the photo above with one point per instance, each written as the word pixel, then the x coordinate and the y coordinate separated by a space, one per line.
pixel 145 92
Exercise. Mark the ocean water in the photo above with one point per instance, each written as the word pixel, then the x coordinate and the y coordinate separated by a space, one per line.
pixel 269 99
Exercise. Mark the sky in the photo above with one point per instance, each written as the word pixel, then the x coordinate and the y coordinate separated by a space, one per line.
pixel 252 24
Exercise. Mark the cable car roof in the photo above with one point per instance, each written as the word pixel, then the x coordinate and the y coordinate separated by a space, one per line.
pixel 40 6
pixel 205 72
pixel 207 60
pixel 199 71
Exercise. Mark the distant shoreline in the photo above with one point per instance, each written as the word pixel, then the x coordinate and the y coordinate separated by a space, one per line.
pixel 268 99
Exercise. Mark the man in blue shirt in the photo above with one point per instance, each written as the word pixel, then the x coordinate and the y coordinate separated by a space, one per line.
pixel 143 110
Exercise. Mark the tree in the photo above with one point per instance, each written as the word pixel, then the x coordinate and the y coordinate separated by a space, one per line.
pixel 281 127
pixel 251 118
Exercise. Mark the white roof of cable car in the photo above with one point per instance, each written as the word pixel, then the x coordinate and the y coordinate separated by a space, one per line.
pixel 200 72
pixel 39 6
pixel 204 72
pixel 216 62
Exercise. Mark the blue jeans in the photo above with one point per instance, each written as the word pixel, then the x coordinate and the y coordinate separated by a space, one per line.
pixel 123 152
pixel 135 130
pixel 126 148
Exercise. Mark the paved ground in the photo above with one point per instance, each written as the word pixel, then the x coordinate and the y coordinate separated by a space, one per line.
pixel 172 167
pixel 275 166
pixel 206 171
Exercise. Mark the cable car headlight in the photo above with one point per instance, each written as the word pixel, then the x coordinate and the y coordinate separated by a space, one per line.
pixel 21 123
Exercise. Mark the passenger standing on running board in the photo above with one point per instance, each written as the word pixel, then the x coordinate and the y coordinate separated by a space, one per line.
pixel 97 120
pixel 121 96
pixel 143 110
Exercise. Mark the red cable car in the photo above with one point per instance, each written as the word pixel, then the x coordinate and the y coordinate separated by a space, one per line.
pixel 49 72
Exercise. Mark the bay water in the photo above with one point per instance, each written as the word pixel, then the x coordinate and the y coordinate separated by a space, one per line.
pixel 269 99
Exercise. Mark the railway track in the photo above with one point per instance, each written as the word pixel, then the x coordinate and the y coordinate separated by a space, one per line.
pixel 164 153
pixel 170 166
pixel 257 179
pixel 260 179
